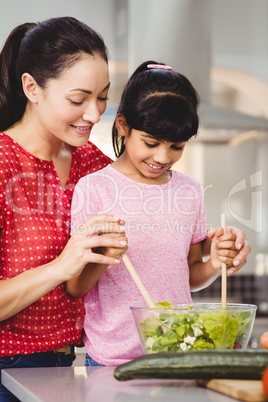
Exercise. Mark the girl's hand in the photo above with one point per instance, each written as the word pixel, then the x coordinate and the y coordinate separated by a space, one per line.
pixel 112 251
pixel 83 246
pixel 223 250
pixel 241 245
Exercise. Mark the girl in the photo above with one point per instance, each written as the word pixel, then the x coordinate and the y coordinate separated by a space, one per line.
pixel 54 84
pixel 163 210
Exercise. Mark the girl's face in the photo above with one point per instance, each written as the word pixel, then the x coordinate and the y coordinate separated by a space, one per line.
pixel 70 105
pixel 148 158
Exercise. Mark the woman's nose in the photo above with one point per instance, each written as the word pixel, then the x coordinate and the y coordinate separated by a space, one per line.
pixel 92 113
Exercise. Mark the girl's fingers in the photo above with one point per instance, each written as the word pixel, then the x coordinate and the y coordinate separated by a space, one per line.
pixel 227 245
pixel 227 254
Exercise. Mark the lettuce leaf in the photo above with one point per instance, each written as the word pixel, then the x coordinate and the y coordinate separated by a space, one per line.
pixel 172 331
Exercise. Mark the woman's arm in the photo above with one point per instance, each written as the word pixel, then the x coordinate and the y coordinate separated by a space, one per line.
pixel 24 289
pixel 202 274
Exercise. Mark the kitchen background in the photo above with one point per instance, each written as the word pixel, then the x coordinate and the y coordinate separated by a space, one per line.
pixel 222 47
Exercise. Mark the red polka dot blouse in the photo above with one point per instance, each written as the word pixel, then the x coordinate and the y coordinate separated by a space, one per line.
pixel 34 228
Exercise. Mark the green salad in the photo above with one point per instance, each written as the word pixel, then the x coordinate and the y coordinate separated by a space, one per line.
pixel 179 332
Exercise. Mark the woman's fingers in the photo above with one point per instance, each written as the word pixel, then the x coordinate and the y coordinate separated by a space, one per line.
pixel 100 241
pixel 111 247
pixel 99 224
pixel 94 257
pixel 82 250
pixel 240 236
pixel 242 245
pixel 241 257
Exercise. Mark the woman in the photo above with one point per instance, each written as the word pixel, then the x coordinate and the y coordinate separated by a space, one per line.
pixel 54 87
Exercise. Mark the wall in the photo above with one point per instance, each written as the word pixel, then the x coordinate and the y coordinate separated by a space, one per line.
pixel 240 41
pixel 99 14
pixel 240 35
pixel 239 188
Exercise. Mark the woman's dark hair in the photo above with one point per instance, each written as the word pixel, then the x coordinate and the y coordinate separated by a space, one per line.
pixel 43 50
pixel 160 102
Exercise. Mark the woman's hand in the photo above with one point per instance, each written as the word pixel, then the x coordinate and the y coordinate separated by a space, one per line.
pixel 24 289
pixel 95 235
pixel 242 247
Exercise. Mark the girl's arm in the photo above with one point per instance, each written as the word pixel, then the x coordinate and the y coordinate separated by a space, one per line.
pixel 202 274
pixel 24 289
pixel 86 281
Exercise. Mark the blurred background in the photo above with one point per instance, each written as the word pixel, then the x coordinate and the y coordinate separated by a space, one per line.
pixel 222 47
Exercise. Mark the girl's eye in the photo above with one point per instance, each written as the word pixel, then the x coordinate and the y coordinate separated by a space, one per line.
pixel 177 148
pixel 150 145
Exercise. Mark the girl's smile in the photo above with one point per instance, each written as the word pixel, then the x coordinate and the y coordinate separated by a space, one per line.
pixel 154 168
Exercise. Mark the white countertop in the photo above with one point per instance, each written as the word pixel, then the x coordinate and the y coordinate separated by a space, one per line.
pixel 97 384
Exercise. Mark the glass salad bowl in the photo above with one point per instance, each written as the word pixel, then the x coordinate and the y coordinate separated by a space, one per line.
pixel 193 327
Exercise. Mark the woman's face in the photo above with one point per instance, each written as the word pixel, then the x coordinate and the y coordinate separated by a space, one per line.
pixel 71 104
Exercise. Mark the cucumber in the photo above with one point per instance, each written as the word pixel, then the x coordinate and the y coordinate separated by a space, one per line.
pixel 197 364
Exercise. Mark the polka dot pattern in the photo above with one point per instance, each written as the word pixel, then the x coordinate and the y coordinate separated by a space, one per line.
pixel 34 228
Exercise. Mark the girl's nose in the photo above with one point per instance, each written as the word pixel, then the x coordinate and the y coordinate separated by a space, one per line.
pixel 162 155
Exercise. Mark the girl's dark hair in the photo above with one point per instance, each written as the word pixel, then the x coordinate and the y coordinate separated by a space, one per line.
pixel 43 50
pixel 160 102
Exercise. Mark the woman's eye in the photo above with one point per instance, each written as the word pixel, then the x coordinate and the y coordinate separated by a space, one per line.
pixel 104 99
pixel 75 102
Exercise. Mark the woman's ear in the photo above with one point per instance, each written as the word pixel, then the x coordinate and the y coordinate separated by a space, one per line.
pixel 30 87
pixel 121 125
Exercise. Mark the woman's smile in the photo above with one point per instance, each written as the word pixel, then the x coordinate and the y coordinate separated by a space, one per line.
pixel 82 130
